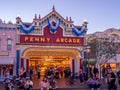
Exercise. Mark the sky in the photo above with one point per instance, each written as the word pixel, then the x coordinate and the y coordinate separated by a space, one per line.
pixel 100 14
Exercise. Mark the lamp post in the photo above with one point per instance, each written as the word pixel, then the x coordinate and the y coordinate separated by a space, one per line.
pixel 88 51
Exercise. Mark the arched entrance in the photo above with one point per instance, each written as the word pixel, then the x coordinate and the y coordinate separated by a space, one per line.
pixel 51 57
pixel 45 62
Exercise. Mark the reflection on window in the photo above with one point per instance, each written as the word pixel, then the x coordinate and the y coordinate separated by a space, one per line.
pixel 9 44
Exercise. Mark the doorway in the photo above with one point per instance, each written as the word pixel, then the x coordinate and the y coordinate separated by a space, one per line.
pixel 45 62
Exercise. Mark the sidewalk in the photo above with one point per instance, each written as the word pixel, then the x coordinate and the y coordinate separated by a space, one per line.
pixel 61 83
pixel 2 87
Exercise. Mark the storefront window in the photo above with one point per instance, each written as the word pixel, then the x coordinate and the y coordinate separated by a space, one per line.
pixel 3 68
pixel 112 65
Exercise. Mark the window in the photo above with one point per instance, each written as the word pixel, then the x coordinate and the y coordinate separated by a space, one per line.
pixel 39 23
pixel 35 23
pixel 9 44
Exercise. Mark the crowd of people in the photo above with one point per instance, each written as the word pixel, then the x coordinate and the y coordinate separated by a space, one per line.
pixel 91 77
pixel 17 83
pixel 110 77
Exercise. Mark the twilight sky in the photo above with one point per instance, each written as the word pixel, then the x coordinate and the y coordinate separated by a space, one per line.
pixel 101 14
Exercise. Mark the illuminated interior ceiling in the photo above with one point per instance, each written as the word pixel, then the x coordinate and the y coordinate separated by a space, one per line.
pixel 50 58
pixel 56 52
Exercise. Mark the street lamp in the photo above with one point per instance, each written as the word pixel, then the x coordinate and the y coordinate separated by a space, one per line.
pixel 88 51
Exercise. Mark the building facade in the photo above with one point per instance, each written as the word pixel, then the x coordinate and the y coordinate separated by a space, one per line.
pixel 50 41
pixel 7 48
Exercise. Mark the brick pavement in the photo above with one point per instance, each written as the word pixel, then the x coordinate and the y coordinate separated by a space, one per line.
pixel 61 85
pixel 2 87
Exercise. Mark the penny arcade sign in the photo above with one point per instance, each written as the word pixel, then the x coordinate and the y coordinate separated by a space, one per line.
pixel 36 39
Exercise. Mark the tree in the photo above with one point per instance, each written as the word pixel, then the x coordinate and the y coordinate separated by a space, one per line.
pixel 103 49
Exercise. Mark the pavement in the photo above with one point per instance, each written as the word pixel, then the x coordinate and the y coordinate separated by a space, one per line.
pixel 61 84
pixel 2 87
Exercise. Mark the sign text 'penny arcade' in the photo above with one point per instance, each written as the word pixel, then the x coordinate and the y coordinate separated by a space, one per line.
pixel 36 39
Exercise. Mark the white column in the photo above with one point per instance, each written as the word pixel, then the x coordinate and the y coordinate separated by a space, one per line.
pixel 77 65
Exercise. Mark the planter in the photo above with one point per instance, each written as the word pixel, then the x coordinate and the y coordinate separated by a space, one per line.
pixel 92 61
pixel 85 62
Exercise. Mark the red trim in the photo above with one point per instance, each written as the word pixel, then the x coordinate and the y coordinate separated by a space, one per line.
pixel 22 62
pixel 27 65
pixel 73 66
pixel 81 65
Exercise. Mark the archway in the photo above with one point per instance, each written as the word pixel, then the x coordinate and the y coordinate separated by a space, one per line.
pixel 52 57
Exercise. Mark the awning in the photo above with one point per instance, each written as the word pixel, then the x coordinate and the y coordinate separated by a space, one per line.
pixel 7 60
pixel 115 59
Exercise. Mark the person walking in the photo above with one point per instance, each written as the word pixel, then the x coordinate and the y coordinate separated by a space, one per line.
pixel 31 73
pixel 81 76
pixel 38 71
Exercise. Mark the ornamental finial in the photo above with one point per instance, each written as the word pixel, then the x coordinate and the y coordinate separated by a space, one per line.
pixel 70 19
pixel 39 16
pixel 85 22
pixel 35 16
pixel 53 8
pixel 66 18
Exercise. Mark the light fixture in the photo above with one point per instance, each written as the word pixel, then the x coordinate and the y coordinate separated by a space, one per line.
pixel 48 58
pixel 88 49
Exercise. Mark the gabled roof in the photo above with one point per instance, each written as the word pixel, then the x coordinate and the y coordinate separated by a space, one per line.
pixel 54 12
